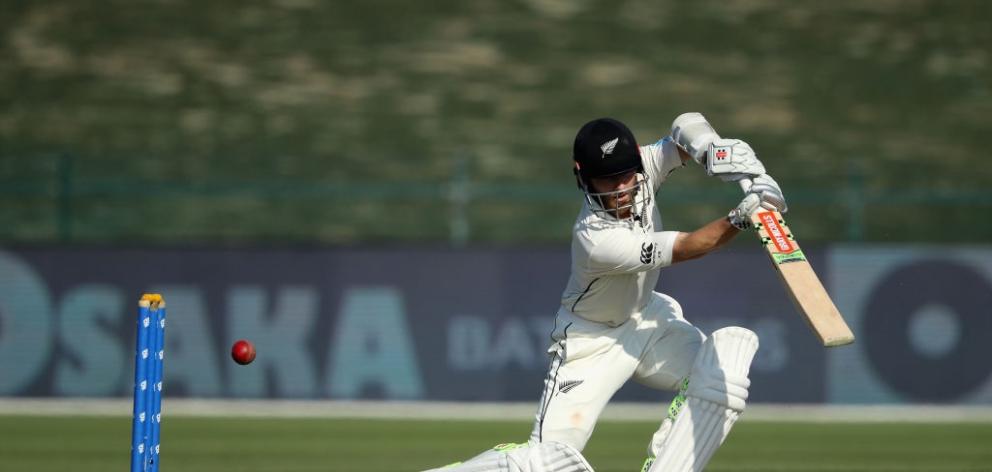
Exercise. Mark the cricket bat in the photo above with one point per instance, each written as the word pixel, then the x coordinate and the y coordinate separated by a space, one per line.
pixel 802 284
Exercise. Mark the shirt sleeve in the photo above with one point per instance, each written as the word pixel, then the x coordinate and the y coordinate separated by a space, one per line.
pixel 660 159
pixel 621 251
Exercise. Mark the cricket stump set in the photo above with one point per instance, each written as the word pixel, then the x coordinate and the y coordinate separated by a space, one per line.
pixel 149 352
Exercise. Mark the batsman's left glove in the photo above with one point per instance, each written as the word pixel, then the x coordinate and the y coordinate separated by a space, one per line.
pixel 732 160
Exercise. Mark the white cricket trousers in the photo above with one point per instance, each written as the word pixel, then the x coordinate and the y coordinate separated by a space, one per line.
pixel 590 361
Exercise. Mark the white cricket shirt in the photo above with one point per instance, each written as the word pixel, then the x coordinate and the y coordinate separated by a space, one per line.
pixel 615 264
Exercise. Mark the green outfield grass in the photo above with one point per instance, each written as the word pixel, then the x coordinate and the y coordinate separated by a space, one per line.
pixel 83 444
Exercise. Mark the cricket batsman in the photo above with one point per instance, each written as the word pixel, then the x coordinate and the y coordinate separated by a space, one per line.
pixel 612 326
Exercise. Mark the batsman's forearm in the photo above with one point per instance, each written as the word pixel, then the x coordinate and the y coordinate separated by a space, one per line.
pixel 703 240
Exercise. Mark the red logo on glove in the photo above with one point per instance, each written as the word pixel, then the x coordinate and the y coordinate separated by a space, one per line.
pixel 721 153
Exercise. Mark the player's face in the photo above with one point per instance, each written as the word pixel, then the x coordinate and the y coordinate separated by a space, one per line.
pixel 624 185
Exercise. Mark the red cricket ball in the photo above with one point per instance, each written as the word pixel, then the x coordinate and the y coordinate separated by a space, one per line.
pixel 243 352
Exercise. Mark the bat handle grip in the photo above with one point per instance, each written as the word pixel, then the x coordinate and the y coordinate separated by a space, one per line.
pixel 745 184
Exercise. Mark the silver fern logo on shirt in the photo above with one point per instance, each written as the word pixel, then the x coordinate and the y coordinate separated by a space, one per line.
pixel 609 146
pixel 567 385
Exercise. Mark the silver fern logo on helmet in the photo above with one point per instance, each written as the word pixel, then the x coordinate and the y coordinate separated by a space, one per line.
pixel 608 146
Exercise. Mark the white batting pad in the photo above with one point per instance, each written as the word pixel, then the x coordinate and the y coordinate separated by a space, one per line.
pixel 534 457
pixel 720 371
pixel 715 398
